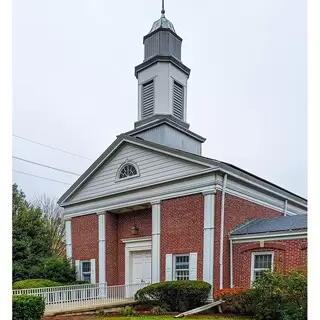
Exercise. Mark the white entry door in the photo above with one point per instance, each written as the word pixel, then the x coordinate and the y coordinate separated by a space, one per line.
pixel 141 266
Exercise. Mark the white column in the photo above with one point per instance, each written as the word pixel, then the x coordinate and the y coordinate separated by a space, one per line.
pixel 102 246
pixel 155 269
pixel 208 238
pixel 68 238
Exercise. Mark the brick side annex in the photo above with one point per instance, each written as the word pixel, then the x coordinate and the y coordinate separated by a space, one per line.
pixel 152 208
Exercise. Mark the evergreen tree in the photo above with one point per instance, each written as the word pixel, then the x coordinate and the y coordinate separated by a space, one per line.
pixel 30 237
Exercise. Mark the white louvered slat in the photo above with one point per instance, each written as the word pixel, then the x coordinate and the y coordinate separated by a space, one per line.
pixel 147 99
pixel 178 93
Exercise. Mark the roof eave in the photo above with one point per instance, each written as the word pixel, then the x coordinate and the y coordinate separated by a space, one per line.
pixel 170 123
pixel 277 234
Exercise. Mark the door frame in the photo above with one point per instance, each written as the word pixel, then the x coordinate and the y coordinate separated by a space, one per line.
pixel 133 245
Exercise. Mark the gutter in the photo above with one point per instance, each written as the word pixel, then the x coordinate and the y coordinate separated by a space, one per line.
pixel 285 207
pixel 222 229
pixel 247 238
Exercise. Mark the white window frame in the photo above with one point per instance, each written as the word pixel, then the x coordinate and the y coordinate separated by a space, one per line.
pixel 86 272
pixel 261 253
pixel 127 162
pixel 174 277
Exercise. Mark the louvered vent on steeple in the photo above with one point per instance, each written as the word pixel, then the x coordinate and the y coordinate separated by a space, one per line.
pixel 177 105
pixel 147 99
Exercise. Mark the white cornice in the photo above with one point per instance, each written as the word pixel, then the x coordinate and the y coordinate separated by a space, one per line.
pixel 142 186
pixel 260 186
pixel 171 193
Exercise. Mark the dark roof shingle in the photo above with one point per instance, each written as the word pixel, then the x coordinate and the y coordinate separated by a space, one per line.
pixel 285 223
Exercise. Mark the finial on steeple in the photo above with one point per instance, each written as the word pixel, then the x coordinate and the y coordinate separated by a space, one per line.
pixel 162 10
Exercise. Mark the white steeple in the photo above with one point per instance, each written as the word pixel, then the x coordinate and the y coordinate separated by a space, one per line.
pixel 162 77
pixel 162 91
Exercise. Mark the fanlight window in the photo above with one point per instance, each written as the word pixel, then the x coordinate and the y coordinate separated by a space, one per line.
pixel 128 170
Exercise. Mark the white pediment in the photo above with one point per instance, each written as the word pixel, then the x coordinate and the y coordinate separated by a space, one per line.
pixel 154 167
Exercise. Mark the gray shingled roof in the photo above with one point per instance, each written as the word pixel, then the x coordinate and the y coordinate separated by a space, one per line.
pixel 287 223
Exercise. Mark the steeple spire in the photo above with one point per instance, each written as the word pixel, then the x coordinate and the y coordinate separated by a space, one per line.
pixel 162 10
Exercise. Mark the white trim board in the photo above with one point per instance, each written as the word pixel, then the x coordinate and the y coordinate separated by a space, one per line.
pixel 132 245
pixel 260 186
pixel 135 240
pixel 268 237
pixel 167 194
pixel 156 183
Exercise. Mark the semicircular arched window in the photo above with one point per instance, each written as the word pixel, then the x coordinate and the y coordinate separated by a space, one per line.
pixel 127 170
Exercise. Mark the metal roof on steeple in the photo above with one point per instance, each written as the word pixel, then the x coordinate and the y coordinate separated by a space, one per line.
pixel 163 22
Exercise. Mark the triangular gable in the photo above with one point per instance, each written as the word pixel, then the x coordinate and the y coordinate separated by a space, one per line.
pixel 155 163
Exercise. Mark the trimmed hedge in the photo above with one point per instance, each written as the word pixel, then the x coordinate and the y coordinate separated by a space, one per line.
pixel 176 295
pixel 35 283
pixel 236 300
pixel 42 283
pixel 27 307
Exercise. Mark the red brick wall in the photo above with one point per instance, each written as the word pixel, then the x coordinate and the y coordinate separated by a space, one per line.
pixel 111 248
pixel 288 255
pixel 143 220
pixel 181 229
pixel 84 234
pixel 85 240
pixel 236 212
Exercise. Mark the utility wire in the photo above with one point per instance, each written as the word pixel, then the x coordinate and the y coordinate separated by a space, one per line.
pixel 45 145
pixel 33 175
pixel 43 165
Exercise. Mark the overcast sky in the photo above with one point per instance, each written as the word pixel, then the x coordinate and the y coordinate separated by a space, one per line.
pixel 74 86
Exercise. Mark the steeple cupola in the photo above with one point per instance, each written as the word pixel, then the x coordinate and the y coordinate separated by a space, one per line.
pixel 162 39
pixel 162 77
pixel 162 90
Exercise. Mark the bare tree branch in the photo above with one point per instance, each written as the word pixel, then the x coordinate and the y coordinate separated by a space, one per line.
pixel 53 215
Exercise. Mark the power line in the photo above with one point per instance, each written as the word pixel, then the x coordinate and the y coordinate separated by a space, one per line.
pixel 54 148
pixel 33 175
pixel 43 165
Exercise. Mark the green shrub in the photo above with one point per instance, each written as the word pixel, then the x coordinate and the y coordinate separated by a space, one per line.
pixel 267 298
pixel 57 269
pixel 296 297
pixel 35 283
pixel 177 295
pixel 235 300
pixel 128 311
pixel 27 307
pixel 277 296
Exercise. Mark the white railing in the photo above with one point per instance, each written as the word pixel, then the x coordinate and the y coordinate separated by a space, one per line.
pixel 80 296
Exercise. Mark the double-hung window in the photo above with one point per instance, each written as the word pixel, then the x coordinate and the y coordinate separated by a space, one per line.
pixel 86 271
pixel 260 262
pixel 181 267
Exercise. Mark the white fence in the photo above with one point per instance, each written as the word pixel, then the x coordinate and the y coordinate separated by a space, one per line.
pixel 66 298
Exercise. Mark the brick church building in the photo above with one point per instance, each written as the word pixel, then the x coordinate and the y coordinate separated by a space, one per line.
pixel 152 208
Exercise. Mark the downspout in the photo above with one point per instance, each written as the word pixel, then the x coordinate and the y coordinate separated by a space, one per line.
pixel 285 207
pixel 222 229
pixel 231 264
